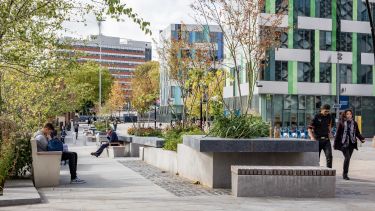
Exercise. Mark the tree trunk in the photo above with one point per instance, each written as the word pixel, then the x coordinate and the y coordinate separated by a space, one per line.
pixel 2 182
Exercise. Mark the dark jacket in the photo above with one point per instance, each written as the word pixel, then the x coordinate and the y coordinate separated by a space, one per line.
pixel 337 145
pixel 112 137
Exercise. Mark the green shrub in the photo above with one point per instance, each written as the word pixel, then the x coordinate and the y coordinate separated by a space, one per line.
pixel 6 161
pixel 100 126
pixel 146 132
pixel 174 136
pixel 242 126
pixel 23 156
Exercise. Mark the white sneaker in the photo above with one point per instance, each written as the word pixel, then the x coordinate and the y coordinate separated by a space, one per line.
pixel 77 181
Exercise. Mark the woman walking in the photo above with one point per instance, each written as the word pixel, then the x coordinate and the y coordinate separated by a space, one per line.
pixel 346 139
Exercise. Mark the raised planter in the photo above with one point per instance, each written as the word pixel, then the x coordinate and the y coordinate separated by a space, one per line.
pixel 160 158
pixel 209 159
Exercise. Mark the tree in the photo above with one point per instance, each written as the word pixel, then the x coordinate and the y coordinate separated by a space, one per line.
pixel 145 84
pixel 29 41
pixel 116 100
pixel 86 74
pixel 31 101
pixel 29 28
pixel 248 36
pixel 191 66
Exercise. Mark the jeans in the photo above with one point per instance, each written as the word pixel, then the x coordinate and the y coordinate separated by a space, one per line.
pixel 325 145
pixel 101 148
pixel 72 157
pixel 347 152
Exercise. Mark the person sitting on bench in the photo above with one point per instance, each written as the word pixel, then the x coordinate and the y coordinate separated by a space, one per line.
pixel 42 138
pixel 112 137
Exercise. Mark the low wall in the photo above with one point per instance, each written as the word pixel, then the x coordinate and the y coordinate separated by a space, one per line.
pixel 209 160
pixel 190 164
pixel 160 158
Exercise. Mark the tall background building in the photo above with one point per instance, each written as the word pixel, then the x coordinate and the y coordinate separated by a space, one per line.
pixel 170 92
pixel 301 74
pixel 120 56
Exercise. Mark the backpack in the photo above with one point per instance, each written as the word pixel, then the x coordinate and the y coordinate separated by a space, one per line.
pixel 55 145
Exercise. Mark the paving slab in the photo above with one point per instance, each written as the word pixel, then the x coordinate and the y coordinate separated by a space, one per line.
pixel 19 192
pixel 113 186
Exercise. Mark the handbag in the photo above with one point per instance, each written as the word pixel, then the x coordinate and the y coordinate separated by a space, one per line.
pixel 55 145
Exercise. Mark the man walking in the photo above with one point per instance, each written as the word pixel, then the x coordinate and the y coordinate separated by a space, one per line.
pixel 320 130
pixel 43 136
pixel 76 126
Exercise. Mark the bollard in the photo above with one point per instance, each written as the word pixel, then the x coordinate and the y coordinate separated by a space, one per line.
pixel 373 142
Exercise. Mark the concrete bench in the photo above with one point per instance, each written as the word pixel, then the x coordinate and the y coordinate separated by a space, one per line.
pixel 136 142
pixel 209 159
pixel 283 181
pixel 118 151
pixel 45 167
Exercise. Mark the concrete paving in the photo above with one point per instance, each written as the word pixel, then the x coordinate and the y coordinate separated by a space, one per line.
pixel 18 192
pixel 112 186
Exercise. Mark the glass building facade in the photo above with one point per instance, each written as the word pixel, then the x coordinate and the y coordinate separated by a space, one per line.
pixel 301 75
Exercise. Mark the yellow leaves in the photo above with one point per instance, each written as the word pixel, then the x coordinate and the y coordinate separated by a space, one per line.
pixel 145 84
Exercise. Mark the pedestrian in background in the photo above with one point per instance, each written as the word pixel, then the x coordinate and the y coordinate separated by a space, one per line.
pixel 346 139
pixel 76 126
pixel 320 130
pixel 63 134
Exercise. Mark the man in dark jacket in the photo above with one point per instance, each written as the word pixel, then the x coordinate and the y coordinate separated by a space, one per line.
pixel 112 137
pixel 320 130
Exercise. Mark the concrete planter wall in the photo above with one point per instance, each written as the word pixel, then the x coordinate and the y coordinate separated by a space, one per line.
pixel 160 158
pixel 209 159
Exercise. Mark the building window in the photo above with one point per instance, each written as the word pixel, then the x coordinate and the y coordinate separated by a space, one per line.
pixel 305 72
pixel 281 71
pixel 365 74
pixel 346 9
pixel 363 14
pixel 303 39
pixel 303 7
pixel 366 43
pixel 325 72
pixel 282 7
pixel 324 9
pixel 345 71
pixel 284 40
pixel 345 42
pixel 325 40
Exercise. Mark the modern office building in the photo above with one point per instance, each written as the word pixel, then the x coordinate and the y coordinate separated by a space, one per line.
pixel 120 56
pixel 324 39
pixel 170 93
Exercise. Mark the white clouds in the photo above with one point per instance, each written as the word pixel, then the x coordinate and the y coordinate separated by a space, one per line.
pixel 160 13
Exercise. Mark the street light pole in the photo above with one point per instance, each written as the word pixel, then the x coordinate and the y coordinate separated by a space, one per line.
pixel 339 57
pixel 100 61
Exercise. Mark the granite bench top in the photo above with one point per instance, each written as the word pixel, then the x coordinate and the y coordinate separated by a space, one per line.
pixel 284 170
pixel 215 144
pixel 147 141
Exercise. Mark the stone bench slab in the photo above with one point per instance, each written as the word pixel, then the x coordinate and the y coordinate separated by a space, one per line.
pixel 215 144
pixel 284 170
pixel 146 141
pixel 283 181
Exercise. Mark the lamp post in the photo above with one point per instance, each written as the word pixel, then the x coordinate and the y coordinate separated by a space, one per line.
pixel 100 61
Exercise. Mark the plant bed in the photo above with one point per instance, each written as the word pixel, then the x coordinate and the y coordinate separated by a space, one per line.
pixel 209 159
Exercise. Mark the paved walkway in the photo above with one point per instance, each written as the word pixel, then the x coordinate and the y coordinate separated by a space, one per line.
pixel 113 186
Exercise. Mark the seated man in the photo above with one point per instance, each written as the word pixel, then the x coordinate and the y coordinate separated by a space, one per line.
pixel 111 136
pixel 43 136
